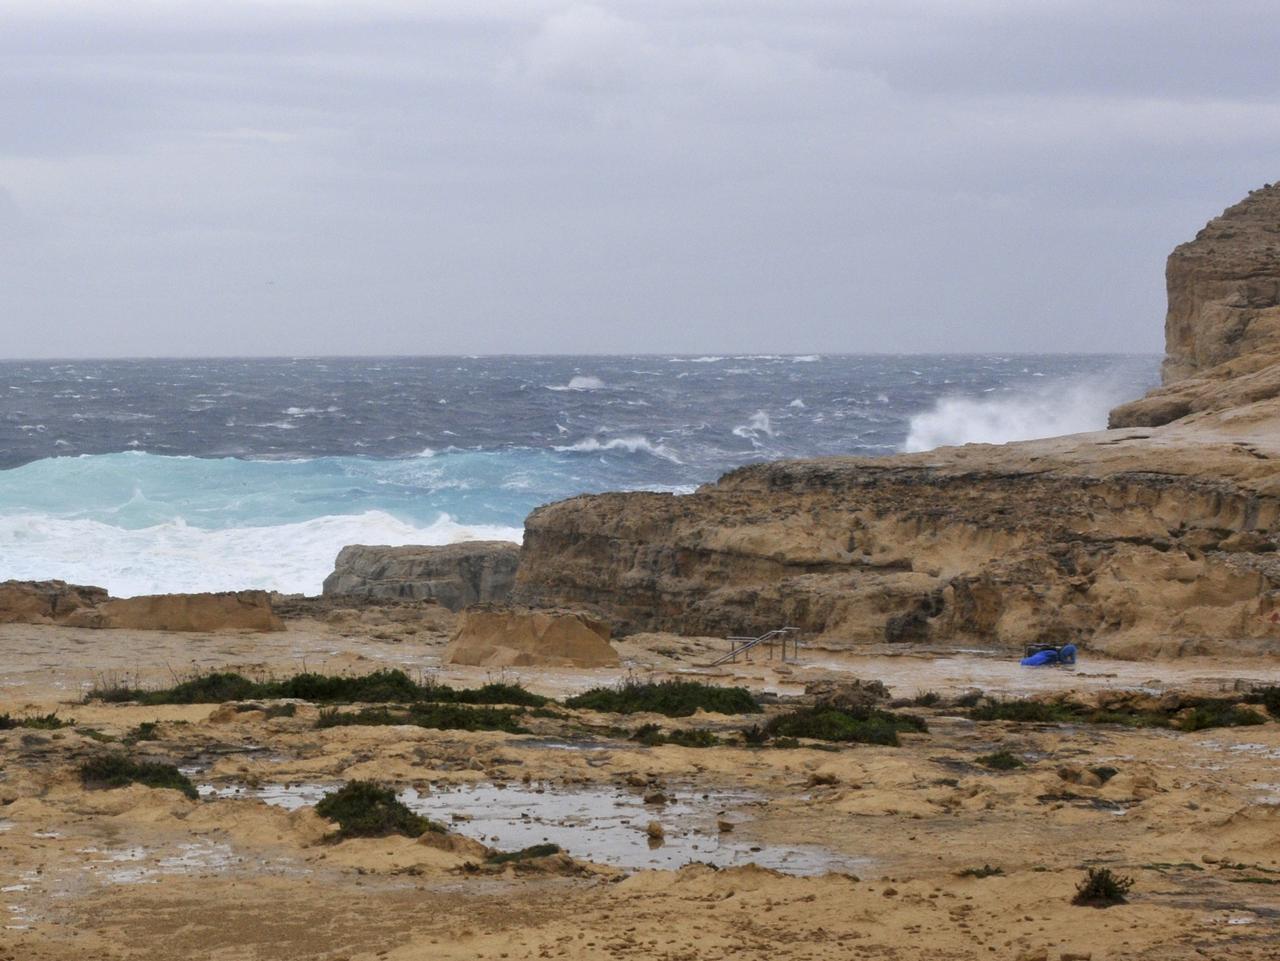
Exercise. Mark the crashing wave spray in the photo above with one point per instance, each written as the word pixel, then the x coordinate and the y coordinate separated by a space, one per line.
pixel 1052 410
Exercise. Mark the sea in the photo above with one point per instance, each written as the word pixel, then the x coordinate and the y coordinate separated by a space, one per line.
pixel 151 476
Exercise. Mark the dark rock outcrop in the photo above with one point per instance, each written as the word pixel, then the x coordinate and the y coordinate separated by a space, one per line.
pixel 456 575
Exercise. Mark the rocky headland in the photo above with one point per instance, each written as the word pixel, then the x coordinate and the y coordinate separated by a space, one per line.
pixel 1155 538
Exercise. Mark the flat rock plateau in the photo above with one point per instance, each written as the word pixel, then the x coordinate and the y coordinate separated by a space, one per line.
pixel 901 788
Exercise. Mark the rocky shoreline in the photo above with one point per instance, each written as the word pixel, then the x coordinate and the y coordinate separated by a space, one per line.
pixel 1153 539
pixel 566 766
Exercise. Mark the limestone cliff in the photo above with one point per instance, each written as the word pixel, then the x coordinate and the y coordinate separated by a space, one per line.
pixel 1151 540
pixel 1222 332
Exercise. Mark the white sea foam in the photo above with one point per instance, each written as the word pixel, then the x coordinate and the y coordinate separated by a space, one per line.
pixel 635 444
pixel 1044 411
pixel 580 383
pixel 172 557
pixel 759 423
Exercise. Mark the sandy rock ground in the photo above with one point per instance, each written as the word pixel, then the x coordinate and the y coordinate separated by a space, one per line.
pixel 139 873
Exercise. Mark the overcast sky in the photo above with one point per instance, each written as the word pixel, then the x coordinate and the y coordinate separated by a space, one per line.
pixel 480 176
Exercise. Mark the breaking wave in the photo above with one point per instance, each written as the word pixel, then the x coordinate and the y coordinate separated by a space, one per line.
pixel 580 383
pixel 174 556
pixel 1050 411
pixel 632 445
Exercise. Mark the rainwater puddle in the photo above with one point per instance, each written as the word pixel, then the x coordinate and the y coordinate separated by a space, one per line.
pixel 594 824
pixel 291 797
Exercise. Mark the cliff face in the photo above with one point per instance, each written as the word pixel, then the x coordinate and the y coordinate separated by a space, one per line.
pixel 455 575
pixel 1143 541
pixel 1222 332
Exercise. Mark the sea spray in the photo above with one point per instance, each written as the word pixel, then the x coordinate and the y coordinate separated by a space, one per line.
pixel 1016 414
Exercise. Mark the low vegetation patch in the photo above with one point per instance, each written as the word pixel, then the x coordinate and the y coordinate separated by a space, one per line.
pixel 525 854
pixel 1001 761
pixel 672 698
pixel 364 809
pixel 445 717
pixel 1268 697
pixel 986 871
pixel 146 731
pixel 380 687
pixel 1102 889
pixel 869 726
pixel 652 735
pixel 35 722
pixel 1197 715
pixel 118 770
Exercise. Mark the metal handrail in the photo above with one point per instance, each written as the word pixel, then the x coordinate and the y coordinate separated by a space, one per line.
pixel 740 645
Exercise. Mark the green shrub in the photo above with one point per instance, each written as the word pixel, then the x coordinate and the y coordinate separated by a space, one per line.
pixel 651 735
pixel 117 770
pixel 525 854
pixel 1205 712
pixel 1210 713
pixel 1032 712
pixel 871 726
pixel 146 731
pixel 1268 697
pixel 672 698
pixel 1101 889
pixel 450 717
pixel 986 871
pixel 1001 761
pixel 378 687
pixel 36 722
pixel 363 809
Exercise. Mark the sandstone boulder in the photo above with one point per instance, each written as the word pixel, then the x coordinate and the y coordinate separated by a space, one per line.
pixel 455 575
pixel 55 602
pixel 231 610
pixel 526 638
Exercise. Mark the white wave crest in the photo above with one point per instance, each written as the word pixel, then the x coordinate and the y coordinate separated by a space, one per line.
pixel 580 383
pixel 759 423
pixel 175 557
pixel 1046 411
pixel 635 444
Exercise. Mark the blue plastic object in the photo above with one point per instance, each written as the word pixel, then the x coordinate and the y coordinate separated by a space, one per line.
pixel 1040 659
pixel 1063 655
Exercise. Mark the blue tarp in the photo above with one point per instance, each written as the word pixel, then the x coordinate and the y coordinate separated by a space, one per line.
pixel 1063 655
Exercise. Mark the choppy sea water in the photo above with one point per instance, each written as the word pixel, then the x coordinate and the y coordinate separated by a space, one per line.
pixel 185 475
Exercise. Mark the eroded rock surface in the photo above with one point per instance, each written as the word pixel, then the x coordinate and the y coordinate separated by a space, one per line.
pixel 455 575
pixel 1149 541
pixel 56 602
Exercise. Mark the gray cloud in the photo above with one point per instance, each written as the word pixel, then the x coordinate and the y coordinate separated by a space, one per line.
pixel 299 176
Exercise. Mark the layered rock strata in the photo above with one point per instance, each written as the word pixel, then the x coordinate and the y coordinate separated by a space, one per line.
pixel 456 575
pixel 1143 541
